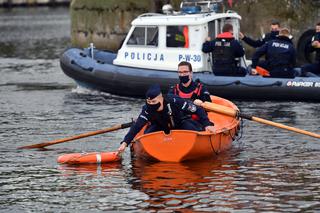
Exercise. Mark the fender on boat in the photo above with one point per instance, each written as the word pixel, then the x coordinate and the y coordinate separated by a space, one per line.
pixel 88 158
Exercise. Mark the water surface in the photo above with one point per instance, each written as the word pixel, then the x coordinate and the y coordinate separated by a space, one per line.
pixel 269 170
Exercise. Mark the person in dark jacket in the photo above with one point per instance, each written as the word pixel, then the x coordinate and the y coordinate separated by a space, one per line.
pixel 164 113
pixel 187 88
pixel 280 56
pixel 314 46
pixel 274 32
pixel 225 51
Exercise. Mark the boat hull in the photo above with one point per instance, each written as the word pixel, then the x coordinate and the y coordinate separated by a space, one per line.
pixel 183 145
pixel 100 74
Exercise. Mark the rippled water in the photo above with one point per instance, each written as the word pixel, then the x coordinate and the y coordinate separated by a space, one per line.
pixel 270 170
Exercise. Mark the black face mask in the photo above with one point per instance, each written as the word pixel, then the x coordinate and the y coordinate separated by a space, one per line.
pixel 274 33
pixel 153 107
pixel 184 79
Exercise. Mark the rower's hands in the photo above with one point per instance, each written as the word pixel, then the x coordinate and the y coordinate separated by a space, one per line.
pixel 198 102
pixel 316 44
pixel 241 35
pixel 210 129
pixel 254 72
pixel 122 148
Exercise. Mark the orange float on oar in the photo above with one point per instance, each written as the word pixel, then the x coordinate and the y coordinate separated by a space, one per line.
pixel 89 158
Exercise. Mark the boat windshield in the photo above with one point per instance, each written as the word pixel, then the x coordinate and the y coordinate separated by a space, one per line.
pixel 144 36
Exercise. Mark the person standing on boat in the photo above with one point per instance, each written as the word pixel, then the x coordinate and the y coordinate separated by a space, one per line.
pixel 225 51
pixel 280 56
pixel 187 88
pixel 164 113
pixel 274 32
pixel 315 46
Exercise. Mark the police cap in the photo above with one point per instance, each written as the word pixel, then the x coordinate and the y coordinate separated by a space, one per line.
pixel 153 91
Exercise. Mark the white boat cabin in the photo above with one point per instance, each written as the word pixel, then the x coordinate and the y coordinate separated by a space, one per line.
pixel 161 41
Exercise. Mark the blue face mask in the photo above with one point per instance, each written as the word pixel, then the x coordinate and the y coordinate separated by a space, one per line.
pixel 153 107
pixel 184 79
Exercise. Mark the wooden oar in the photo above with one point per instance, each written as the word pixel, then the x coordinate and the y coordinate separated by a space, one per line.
pixel 235 113
pixel 49 143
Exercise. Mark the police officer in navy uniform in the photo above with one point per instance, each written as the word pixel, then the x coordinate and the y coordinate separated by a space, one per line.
pixel 315 46
pixel 187 88
pixel 225 50
pixel 280 56
pixel 274 32
pixel 164 113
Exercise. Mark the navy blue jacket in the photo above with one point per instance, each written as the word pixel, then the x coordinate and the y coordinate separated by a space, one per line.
pixel 181 109
pixel 258 43
pixel 316 37
pixel 280 57
pixel 225 49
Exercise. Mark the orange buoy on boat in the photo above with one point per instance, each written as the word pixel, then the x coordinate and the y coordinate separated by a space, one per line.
pixel 88 158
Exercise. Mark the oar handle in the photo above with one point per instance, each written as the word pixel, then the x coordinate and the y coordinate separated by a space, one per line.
pixel 217 108
pixel 282 126
pixel 236 114
pixel 88 134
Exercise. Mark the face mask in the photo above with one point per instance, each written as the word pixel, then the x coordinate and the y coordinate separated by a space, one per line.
pixel 184 79
pixel 274 33
pixel 153 107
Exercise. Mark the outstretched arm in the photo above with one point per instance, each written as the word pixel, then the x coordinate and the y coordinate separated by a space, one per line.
pixel 256 56
pixel 253 43
pixel 134 130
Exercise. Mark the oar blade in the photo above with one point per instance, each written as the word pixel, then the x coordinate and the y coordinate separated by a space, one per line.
pixel 75 137
pixel 35 146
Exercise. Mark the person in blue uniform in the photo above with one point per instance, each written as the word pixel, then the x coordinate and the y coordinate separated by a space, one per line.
pixel 314 46
pixel 280 56
pixel 164 113
pixel 274 32
pixel 225 51
pixel 187 88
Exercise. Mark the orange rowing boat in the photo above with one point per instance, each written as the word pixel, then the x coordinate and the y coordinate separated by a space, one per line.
pixel 177 146
pixel 182 145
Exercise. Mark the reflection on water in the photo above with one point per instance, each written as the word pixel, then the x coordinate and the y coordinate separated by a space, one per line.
pixel 273 171
pixel 93 169
pixel 196 184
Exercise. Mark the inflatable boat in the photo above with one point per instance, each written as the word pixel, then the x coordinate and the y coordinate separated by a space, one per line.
pixel 155 45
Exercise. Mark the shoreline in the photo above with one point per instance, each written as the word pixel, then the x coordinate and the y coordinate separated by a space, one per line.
pixel 40 3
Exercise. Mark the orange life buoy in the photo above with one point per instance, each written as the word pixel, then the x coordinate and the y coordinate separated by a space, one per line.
pixel 88 158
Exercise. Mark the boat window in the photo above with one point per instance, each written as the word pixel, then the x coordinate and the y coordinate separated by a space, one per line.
pixel 178 36
pixel 212 29
pixel 144 36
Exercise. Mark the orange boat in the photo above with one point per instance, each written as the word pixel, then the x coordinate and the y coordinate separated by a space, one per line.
pixel 182 145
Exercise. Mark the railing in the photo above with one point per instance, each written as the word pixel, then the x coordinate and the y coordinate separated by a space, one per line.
pixel 206 6
pixel 150 14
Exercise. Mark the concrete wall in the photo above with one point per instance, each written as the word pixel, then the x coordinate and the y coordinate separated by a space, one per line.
pixel 106 23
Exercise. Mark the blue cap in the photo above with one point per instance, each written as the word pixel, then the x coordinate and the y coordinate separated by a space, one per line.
pixel 153 91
